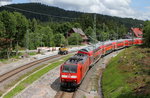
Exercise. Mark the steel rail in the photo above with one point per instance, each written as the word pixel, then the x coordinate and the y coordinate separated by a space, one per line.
pixel 13 72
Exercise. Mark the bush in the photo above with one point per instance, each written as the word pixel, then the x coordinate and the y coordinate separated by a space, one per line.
pixel 75 39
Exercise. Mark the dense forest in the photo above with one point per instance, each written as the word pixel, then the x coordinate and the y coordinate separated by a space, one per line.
pixel 146 32
pixel 46 13
pixel 35 25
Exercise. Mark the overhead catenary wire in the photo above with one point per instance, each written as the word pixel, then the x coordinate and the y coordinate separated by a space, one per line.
pixel 39 13
pixel 93 38
pixel 94 25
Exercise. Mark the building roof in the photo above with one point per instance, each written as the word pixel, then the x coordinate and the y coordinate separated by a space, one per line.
pixel 78 30
pixel 138 32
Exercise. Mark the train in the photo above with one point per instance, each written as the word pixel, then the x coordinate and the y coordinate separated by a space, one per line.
pixel 75 68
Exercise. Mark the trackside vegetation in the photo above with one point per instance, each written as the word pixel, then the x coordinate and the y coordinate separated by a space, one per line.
pixel 128 74
pixel 147 33
pixel 22 30
pixel 33 78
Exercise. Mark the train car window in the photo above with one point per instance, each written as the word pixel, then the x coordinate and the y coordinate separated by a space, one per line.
pixel 84 50
pixel 69 69
pixel 108 44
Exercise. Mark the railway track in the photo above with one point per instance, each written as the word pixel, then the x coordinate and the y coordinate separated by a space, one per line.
pixel 62 94
pixel 11 73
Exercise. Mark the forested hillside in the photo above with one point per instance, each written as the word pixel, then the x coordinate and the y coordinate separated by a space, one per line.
pixel 39 10
pixel 35 25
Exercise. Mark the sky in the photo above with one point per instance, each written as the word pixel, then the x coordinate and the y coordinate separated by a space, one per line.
pixel 139 9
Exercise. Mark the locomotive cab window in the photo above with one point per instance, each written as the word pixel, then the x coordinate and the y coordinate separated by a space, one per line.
pixel 84 50
pixel 69 69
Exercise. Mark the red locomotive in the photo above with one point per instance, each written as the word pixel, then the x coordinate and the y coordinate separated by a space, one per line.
pixel 74 69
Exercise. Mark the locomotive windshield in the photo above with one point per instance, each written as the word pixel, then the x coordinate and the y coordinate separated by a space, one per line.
pixel 69 69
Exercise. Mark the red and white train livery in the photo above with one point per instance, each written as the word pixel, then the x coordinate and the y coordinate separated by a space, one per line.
pixel 74 69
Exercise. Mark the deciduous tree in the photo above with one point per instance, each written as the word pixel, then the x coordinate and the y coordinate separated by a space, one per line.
pixel 75 39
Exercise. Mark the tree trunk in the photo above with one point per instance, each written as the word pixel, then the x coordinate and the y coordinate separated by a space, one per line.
pixel 17 49
pixel 8 53
pixel 9 50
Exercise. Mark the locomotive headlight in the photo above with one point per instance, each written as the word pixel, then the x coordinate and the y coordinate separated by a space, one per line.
pixel 73 76
pixel 63 80
pixel 64 76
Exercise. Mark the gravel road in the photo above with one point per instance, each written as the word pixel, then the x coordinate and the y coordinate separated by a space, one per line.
pixel 45 87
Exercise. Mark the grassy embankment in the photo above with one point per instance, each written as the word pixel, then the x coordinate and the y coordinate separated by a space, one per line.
pixel 128 74
pixel 34 77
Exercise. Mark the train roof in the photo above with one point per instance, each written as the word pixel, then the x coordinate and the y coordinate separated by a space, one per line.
pixel 99 44
pixel 87 49
pixel 76 59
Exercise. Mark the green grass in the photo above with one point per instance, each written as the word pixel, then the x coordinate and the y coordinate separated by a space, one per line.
pixel 5 60
pixel 113 81
pixel 120 77
pixel 33 78
pixel 32 53
pixel 1 92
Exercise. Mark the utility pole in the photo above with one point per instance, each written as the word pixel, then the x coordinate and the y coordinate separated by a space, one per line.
pixel 117 38
pixel 103 48
pixel 77 42
pixel 94 25
pixel 132 36
pixel 94 29
pixel 103 31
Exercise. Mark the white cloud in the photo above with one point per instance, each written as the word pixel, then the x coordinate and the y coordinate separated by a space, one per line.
pixel 143 15
pixel 148 7
pixel 43 1
pixel 74 2
pixel 116 4
pixel 121 8
pixel 110 7
pixel 5 2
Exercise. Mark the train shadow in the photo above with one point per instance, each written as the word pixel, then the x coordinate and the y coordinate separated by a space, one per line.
pixel 55 85
pixel 69 90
